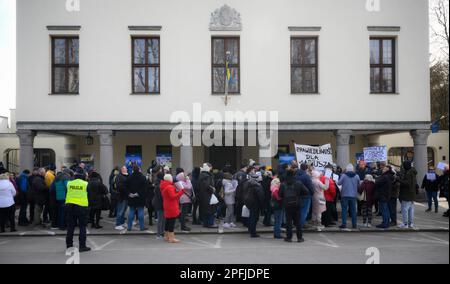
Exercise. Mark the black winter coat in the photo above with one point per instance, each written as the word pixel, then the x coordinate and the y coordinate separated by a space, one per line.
pixel 39 191
pixel 206 190
pixel 301 190
pixel 241 178
pixel 253 195
pixel 429 185
pixel 157 201
pixel 136 183
pixel 96 191
pixel 150 194
pixel 383 187
pixel 121 187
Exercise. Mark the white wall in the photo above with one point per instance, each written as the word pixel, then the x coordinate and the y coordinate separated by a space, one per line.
pixel 105 80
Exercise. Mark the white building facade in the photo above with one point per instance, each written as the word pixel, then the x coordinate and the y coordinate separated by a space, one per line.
pixel 335 71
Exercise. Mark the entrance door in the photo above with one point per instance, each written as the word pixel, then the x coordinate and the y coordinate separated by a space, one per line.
pixel 220 156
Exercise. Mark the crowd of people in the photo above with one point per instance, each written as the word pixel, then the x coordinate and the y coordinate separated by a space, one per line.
pixel 288 197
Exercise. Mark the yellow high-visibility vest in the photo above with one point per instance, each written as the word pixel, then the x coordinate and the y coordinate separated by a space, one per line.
pixel 77 193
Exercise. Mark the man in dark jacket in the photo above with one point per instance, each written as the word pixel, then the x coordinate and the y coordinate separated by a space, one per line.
pixel 113 192
pixel 431 185
pixel 408 191
pixel 136 187
pixel 40 195
pixel 206 190
pixel 96 193
pixel 157 201
pixel 267 179
pixel 196 203
pixel 305 204
pixel 383 188
pixel 254 201
pixel 241 176
pixel 292 193
pixel 121 186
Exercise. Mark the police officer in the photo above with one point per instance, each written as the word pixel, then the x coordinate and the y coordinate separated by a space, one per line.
pixel 77 209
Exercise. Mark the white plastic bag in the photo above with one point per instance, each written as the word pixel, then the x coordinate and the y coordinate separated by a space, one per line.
pixel 213 200
pixel 245 212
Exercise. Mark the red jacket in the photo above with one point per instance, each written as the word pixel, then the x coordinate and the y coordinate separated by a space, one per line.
pixel 171 199
pixel 330 194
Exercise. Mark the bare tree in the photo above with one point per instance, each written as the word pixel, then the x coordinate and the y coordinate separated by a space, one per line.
pixel 440 25
pixel 439 72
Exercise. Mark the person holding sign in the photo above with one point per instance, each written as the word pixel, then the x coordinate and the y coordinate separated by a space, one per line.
pixel 431 185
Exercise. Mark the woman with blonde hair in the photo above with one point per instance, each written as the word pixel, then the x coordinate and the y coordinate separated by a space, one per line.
pixel 319 202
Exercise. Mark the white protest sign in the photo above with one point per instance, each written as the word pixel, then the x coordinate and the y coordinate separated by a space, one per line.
pixel 431 176
pixel 319 157
pixel 335 178
pixel 441 166
pixel 375 154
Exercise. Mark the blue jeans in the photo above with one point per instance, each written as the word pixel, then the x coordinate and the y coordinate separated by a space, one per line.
pixel 161 222
pixel 386 213
pixel 253 222
pixel 349 203
pixel 433 196
pixel 408 212
pixel 131 214
pixel 278 216
pixel 393 209
pixel 121 208
pixel 305 206
pixel 61 216
pixel 209 220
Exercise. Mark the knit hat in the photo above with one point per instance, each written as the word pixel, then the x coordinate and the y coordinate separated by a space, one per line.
pixel 181 176
pixel 350 168
pixel 205 168
pixel 168 178
pixel 369 178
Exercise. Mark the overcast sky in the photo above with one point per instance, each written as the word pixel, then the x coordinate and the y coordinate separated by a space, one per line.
pixel 8 55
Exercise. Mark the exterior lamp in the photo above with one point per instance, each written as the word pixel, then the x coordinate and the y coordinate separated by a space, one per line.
pixel 89 140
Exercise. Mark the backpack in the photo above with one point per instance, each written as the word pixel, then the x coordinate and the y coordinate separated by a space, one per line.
pixel 291 197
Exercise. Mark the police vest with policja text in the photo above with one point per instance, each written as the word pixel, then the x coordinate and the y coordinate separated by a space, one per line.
pixel 77 193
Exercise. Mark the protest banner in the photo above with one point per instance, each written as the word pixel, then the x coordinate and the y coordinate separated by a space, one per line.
pixel 319 156
pixel 375 154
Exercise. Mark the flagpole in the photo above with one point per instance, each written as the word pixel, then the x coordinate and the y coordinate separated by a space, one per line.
pixel 227 62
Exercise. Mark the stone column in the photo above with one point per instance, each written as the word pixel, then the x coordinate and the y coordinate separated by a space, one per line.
pixel 343 147
pixel 26 138
pixel 106 153
pixel 266 152
pixel 420 138
pixel 187 158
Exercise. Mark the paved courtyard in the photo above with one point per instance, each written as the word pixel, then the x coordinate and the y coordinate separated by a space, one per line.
pixel 429 243
pixel 411 247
